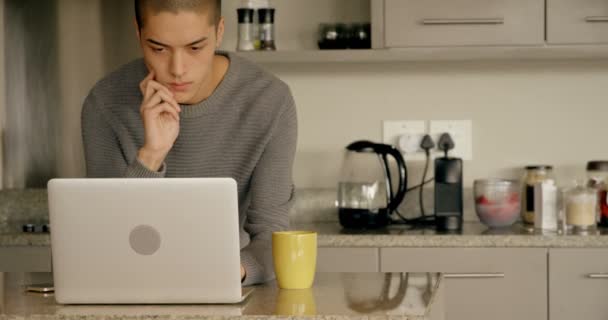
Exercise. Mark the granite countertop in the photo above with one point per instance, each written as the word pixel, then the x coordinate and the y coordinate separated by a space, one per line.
pixel 333 296
pixel 474 234
pixel 331 234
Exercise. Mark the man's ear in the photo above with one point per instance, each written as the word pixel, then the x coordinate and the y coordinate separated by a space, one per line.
pixel 137 32
pixel 220 32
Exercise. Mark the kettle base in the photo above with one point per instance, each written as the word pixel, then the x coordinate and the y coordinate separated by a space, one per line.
pixel 363 219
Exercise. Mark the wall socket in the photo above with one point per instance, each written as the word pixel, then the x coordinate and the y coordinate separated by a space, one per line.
pixel 407 135
pixel 461 132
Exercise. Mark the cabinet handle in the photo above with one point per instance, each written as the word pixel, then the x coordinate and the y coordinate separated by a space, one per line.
pixel 463 21
pixel 597 19
pixel 598 275
pixel 473 275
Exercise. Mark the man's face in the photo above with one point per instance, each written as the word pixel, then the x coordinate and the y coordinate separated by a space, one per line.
pixel 179 48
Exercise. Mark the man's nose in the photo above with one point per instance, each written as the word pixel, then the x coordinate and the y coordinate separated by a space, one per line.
pixel 177 65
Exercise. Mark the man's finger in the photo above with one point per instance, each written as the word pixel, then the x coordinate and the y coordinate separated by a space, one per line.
pixel 159 97
pixel 156 111
pixel 168 95
pixel 144 83
pixel 154 86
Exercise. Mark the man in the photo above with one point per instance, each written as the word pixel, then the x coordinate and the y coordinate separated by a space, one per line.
pixel 187 110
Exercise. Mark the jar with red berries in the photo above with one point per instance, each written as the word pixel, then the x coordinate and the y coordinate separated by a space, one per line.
pixel 597 174
pixel 534 175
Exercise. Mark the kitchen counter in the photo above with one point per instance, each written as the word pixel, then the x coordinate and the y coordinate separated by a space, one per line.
pixel 331 234
pixel 473 234
pixel 333 296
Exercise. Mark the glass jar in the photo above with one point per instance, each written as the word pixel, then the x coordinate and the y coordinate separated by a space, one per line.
pixel 534 175
pixel 580 205
pixel 597 175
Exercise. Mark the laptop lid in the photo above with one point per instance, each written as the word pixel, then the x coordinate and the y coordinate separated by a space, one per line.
pixel 145 241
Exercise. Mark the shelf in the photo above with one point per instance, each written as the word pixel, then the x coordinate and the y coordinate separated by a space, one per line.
pixel 430 54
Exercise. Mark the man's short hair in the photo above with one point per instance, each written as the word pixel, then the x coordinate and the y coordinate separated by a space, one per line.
pixel 174 6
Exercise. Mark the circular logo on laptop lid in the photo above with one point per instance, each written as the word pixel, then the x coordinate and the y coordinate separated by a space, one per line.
pixel 144 240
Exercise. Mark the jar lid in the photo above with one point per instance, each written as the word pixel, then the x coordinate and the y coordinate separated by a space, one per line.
pixel 539 167
pixel 597 166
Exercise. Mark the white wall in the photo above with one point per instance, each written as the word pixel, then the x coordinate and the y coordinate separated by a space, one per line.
pixel 551 112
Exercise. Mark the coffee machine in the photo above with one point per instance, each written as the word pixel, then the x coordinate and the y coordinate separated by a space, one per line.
pixel 448 188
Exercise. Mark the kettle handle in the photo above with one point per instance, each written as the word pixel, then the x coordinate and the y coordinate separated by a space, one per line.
pixel 402 173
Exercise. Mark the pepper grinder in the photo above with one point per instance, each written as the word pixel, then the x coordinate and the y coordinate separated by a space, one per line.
pixel 266 20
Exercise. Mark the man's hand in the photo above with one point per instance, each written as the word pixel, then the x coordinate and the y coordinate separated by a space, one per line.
pixel 243 273
pixel 160 114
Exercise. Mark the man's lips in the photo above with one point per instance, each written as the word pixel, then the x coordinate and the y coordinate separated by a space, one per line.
pixel 183 86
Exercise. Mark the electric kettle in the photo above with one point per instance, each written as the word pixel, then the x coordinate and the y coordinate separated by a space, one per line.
pixel 367 192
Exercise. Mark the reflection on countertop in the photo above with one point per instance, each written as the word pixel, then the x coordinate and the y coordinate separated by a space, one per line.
pixel 382 295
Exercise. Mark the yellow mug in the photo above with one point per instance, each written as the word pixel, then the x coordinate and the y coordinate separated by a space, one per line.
pixel 295 258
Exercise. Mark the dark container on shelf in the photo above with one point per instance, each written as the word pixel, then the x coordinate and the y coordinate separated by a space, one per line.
pixel 333 36
pixel 336 36
pixel 360 36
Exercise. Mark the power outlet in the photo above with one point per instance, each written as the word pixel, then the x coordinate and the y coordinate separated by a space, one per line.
pixel 461 132
pixel 406 136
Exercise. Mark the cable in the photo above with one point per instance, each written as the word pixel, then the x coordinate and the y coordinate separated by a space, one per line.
pixel 427 145
pixel 421 185
pixel 426 169
pixel 419 221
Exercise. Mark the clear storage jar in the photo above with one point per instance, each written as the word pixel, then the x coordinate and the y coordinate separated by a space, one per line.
pixel 534 175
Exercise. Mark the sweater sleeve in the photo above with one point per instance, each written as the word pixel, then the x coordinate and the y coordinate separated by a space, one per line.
pixel 104 157
pixel 272 196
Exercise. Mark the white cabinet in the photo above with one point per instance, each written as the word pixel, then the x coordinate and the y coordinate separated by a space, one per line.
pixel 481 283
pixel 347 260
pixel 577 21
pixel 578 284
pixel 415 23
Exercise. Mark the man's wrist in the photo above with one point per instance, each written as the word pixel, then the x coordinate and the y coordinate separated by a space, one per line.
pixel 153 161
pixel 243 274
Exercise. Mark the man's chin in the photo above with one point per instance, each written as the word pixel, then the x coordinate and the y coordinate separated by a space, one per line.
pixel 183 97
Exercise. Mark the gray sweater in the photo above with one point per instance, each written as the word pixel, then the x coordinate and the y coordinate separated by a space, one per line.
pixel 246 130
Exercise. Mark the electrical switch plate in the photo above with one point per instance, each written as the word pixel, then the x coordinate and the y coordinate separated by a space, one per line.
pixel 461 132
pixel 406 136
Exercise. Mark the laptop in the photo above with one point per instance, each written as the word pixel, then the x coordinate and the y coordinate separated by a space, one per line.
pixel 145 241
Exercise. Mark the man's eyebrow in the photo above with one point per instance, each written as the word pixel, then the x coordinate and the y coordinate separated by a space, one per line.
pixel 166 45
pixel 196 42
pixel 157 43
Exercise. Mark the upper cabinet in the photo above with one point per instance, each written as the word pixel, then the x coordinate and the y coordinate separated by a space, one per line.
pixel 436 30
pixel 577 21
pixel 423 23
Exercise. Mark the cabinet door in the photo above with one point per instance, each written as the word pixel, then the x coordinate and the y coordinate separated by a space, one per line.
pixel 413 23
pixel 481 283
pixel 347 260
pixel 577 21
pixel 578 284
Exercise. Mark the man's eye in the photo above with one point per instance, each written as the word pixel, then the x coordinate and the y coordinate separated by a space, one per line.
pixel 196 48
pixel 158 49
